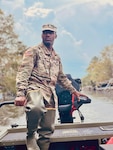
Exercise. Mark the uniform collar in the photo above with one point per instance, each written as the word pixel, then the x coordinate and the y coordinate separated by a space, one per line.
pixel 48 52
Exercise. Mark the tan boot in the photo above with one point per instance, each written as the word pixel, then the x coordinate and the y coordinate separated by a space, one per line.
pixel 31 143
pixel 46 129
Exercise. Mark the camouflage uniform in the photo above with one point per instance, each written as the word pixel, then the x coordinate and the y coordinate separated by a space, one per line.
pixel 40 71
pixel 36 79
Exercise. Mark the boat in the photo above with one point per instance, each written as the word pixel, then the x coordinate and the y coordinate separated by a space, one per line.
pixel 68 135
pixel 71 136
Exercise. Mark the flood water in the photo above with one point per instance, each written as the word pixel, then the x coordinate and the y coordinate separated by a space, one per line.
pixel 99 110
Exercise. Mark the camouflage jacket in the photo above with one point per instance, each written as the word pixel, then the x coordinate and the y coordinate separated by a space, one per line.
pixel 41 70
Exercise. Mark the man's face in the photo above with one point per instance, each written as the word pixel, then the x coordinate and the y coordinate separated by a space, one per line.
pixel 48 37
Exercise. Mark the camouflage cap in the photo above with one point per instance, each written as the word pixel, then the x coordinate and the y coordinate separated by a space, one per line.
pixel 49 27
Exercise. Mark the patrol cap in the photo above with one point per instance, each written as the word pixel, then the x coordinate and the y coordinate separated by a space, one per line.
pixel 49 27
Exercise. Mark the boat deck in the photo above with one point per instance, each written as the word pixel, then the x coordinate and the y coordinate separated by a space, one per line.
pixel 63 133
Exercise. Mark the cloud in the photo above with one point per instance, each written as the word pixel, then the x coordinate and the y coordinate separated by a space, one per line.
pixel 86 57
pixel 105 2
pixel 13 4
pixel 100 2
pixel 75 42
pixel 37 10
pixel 93 5
pixel 20 28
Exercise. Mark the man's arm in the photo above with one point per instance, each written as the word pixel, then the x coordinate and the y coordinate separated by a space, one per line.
pixel 23 75
pixel 66 83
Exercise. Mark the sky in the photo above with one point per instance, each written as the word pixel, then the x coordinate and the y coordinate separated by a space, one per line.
pixel 84 27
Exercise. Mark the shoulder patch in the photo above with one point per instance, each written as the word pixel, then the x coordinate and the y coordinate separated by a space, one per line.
pixel 28 53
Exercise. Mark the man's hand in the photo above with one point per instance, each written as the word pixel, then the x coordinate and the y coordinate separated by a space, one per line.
pixel 78 94
pixel 20 101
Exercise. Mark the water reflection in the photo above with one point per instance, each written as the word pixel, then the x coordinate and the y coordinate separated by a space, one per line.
pixel 10 113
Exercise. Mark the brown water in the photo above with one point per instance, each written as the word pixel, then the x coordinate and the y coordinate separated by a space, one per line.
pixel 99 110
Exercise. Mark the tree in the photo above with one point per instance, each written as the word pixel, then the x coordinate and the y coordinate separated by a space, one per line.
pixel 11 50
pixel 100 68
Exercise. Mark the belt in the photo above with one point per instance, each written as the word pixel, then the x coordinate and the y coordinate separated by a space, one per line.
pixel 42 80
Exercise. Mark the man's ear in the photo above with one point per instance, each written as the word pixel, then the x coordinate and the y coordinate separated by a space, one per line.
pixel 55 35
pixel 41 35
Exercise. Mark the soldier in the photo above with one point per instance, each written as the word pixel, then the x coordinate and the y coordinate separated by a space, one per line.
pixel 37 76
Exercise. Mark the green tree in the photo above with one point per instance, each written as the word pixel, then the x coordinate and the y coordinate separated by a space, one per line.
pixel 11 50
pixel 100 68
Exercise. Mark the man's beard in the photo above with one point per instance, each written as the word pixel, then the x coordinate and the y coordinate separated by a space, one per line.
pixel 47 44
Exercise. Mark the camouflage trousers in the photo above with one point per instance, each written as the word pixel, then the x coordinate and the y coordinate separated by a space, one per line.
pixel 40 121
